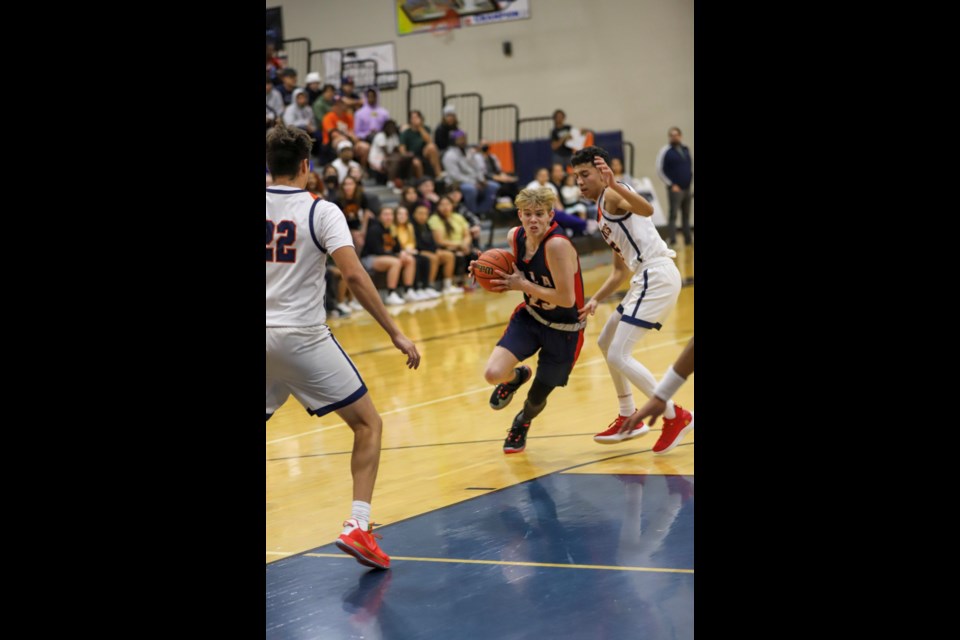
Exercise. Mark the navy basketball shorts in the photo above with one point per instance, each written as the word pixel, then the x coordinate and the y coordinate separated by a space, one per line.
pixel 558 349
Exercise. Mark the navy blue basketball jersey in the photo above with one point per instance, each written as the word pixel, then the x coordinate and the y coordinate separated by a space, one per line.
pixel 538 271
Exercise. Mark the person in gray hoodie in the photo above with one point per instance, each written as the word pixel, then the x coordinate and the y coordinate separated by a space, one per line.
pixel 299 114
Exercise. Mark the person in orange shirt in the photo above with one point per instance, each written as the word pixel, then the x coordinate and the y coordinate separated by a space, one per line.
pixel 340 118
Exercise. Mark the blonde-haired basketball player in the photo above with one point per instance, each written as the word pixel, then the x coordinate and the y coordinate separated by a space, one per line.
pixel 642 255
pixel 303 357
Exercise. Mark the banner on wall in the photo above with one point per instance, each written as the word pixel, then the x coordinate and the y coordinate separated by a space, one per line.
pixel 438 16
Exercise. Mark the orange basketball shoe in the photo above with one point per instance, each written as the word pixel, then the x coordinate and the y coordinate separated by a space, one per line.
pixel 674 430
pixel 612 435
pixel 362 545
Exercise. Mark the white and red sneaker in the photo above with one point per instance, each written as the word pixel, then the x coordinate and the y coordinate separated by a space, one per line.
pixel 362 545
pixel 674 430
pixel 612 435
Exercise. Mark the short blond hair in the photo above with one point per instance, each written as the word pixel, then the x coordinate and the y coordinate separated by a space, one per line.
pixel 535 198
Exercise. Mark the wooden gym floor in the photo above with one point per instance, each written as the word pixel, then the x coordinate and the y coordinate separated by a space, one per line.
pixel 569 538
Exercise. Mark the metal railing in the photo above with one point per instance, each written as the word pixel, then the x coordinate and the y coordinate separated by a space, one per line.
pixel 329 70
pixel 393 87
pixel 499 122
pixel 363 72
pixel 534 128
pixel 469 106
pixel 628 163
pixel 298 56
pixel 427 97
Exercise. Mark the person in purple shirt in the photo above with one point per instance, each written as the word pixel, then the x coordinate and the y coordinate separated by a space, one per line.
pixel 369 118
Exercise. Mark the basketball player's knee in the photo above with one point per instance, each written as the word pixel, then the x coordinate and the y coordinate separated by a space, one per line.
pixel 617 359
pixel 604 345
pixel 496 375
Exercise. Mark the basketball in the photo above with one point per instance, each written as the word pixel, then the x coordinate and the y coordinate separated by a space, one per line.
pixel 483 269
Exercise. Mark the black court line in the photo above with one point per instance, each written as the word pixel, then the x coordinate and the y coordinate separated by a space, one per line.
pixel 390 347
pixel 426 513
pixel 433 444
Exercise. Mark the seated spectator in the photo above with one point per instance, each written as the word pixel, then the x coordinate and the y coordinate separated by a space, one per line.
pixel 288 82
pixel 557 174
pixel 451 231
pixel 275 105
pixel 561 137
pixel 356 209
pixel 438 256
pixel 415 140
pixel 274 64
pixel 426 263
pixel 479 194
pixel 410 198
pixel 323 104
pixel 381 252
pixel 331 182
pixel 299 114
pixel 349 93
pixel 616 165
pixel 456 196
pixel 370 118
pixel 342 120
pixel 385 160
pixel 448 125
pixel 344 161
pixel 311 85
pixel 489 164
pixel 315 184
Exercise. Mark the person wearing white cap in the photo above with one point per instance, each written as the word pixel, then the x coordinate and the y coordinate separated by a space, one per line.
pixel 441 136
pixel 312 86
pixel 344 160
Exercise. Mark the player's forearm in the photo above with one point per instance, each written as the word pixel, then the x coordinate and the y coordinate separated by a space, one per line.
pixel 636 203
pixel 611 284
pixel 553 296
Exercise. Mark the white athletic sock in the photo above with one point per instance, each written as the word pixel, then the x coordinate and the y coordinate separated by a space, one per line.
pixel 669 413
pixel 361 512
pixel 627 405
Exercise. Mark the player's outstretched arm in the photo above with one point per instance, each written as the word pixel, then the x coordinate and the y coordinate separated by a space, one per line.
pixel 622 199
pixel 362 287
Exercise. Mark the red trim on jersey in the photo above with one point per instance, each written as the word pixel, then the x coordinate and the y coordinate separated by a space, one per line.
pixel 546 237
pixel 576 354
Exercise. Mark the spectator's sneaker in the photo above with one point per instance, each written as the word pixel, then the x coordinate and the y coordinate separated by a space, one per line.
pixel 452 290
pixel 428 293
pixel 343 309
pixel 612 435
pixel 356 306
pixel 394 299
pixel 362 545
pixel 674 430
pixel 411 295
pixel 503 392
pixel 517 436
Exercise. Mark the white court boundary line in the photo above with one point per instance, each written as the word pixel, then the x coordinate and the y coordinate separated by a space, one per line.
pixel 462 394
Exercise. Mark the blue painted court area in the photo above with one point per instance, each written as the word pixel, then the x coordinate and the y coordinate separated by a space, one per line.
pixel 623 543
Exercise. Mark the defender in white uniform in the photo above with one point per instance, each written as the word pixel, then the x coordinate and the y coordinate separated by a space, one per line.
pixel 303 357
pixel 639 253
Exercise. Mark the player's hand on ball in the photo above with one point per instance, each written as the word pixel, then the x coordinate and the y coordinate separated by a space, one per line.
pixel 508 281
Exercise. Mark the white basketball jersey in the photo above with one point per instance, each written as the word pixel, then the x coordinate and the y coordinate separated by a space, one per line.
pixel 301 232
pixel 633 236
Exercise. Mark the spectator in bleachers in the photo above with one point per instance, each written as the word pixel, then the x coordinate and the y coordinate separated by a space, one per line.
pixel 322 105
pixel 299 114
pixel 331 182
pixel 344 161
pixel 410 198
pixel 489 164
pixel 571 200
pixel 312 86
pixel 381 252
pixel 456 196
pixel 385 158
pixel 356 208
pixel 479 194
pixel 288 82
pixel 448 125
pixel 452 231
pixel 341 119
pixel 415 139
pixel 428 193
pixel 315 184
pixel 275 105
pixel 349 93
pixel 557 173
pixel 561 134
pixel 426 264
pixel 675 166
pixel 438 256
pixel 370 118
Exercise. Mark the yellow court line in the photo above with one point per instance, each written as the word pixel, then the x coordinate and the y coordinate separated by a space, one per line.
pixel 511 563
pixel 458 395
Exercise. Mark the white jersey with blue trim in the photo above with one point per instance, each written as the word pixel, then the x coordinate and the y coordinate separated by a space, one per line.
pixel 632 236
pixel 301 232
